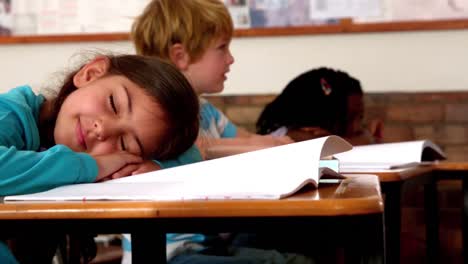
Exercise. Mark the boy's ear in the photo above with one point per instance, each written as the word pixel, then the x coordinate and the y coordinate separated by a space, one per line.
pixel 179 56
pixel 91 71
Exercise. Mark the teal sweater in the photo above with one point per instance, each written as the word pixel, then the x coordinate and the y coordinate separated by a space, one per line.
pixel 25 168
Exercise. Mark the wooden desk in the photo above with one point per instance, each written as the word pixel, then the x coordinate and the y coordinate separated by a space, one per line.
pixel 457 171
pixel 351 211
pixel 392 182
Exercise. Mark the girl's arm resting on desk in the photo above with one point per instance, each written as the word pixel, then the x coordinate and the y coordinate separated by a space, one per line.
pixel 117 165
pixel 191 155
pixel 31 171
pixel 134 169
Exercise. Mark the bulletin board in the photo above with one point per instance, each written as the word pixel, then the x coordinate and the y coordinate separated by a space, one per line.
pixel 26 21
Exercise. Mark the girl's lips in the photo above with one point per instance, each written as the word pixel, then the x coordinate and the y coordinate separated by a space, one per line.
pixel 80 135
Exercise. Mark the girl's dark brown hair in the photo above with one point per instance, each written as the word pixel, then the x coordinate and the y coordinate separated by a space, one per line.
pixel 160 80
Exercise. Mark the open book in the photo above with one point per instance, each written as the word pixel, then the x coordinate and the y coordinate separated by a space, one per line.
pixel 271 173
pixel 389 156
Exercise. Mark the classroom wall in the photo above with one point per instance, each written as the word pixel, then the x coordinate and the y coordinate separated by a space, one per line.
pixel 438 116
pixel 384 62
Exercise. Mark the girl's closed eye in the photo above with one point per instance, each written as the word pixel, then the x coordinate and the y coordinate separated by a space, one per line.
pixel 114 109
pixel 122 144
pixel 112 103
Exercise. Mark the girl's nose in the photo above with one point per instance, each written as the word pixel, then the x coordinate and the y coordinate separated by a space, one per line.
pixel 100 130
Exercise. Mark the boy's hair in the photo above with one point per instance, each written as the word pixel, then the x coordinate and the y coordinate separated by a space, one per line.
pixel 165 84
pixel 318 98
pixel 192 23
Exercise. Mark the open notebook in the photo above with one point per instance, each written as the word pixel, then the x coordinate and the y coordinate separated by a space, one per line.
pixel 271 173
pixel 389 156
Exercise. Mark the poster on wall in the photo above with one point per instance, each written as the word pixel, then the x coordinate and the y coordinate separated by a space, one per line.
pixel 109 15
pixel 57 16
pixel 6 19
pixel 239 11
pixel 27 17
pixel 429 10
pixel 72 16
pixel 323 9
pixel 282 13
pixel 24 14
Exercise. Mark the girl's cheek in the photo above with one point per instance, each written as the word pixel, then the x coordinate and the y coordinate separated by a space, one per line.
pixel 103 148
pixel 357 126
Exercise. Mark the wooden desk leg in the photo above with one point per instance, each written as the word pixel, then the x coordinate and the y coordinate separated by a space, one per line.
pixel 431 210
pixel 148 247
pixel 464 222
pixel 366 241
pixel 392 192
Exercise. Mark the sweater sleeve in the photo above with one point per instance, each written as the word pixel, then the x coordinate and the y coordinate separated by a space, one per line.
pixel 212 119
pixel 24 168
pixel 192 155
pixel 30 171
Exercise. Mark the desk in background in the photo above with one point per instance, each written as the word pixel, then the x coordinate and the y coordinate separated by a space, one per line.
pixel 457 171
pixel 351 212
pixel 392 182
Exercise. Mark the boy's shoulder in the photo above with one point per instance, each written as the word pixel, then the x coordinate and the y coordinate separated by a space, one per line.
pixel 208 109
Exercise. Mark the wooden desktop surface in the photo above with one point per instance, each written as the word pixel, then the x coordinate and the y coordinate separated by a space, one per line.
pixel 397 175
pixel 356 195
pixel 451 166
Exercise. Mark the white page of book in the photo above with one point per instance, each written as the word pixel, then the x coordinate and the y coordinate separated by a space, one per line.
pixel 263 174
pixel 385 156
pixel 384 153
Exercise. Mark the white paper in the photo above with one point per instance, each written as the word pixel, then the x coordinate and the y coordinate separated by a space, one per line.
pixel 386 156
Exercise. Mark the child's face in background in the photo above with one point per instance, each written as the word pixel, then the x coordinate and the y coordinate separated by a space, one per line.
pixel 356 132
pixel 355 115
pixel 110 114
pixel 208 74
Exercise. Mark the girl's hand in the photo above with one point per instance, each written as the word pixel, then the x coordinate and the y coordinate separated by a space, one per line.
pixel 133 169
pixel 108 164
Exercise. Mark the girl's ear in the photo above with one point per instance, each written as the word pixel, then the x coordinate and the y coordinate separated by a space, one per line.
pixel 91 71
pixel 179 56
